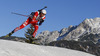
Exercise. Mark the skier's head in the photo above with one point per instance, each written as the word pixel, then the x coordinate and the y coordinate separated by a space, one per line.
pixel 43 12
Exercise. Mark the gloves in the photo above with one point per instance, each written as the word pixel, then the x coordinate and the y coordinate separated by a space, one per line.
pixel 40 23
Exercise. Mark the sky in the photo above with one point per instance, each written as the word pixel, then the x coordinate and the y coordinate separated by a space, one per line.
pixel 60 14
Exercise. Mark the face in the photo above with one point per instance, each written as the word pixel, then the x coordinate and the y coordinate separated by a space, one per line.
pixel 42 14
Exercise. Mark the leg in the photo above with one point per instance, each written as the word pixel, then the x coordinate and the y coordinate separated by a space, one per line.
pixel 36 29
pixel 20 27
pixel 31 38
pixel 23 25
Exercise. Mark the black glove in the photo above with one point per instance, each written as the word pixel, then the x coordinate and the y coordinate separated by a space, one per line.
pixel 40 23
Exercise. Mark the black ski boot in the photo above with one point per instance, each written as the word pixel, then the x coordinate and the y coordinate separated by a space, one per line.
pixel 8 35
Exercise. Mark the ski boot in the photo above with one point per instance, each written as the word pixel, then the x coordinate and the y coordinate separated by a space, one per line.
pixel 8 35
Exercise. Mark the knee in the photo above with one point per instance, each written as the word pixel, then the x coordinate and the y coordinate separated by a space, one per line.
pixel 36 27
pixel 22 26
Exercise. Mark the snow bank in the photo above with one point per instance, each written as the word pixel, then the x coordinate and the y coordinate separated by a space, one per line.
pixel 12 48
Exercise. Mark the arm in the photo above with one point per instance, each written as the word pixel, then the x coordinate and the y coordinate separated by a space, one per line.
pixel 41 21
pixel 35 15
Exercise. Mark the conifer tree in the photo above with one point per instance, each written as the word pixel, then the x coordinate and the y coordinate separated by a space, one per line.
pixel 29 31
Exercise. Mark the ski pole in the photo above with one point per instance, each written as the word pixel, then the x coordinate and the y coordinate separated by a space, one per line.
pixel 20 14
pixel 27 15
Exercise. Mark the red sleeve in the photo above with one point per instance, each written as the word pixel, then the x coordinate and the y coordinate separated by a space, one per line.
pixel 43 18
pixel 36 14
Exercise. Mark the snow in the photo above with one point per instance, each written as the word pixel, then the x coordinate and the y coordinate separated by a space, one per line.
pixel 12 48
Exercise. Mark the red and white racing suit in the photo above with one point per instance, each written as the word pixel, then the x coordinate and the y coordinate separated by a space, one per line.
pixel 33 21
